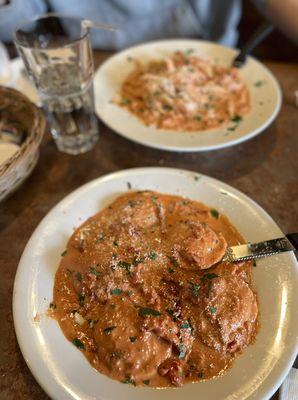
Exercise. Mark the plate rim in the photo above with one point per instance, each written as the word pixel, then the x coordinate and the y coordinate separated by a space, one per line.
pixel 50 385
pixel 186 149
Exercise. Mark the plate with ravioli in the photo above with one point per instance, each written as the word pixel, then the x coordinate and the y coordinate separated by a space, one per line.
pixel 122 291
pixel 183 95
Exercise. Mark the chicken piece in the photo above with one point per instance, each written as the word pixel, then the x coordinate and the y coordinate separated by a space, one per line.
pixel 204 247
pixel 173 331
pixel 120 344
pixel 241 270
pixel 229 316
pixel 164 327
pixel 139 213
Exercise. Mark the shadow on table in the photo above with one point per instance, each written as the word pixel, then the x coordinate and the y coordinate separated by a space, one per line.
pixel 57 174
pixel 226 164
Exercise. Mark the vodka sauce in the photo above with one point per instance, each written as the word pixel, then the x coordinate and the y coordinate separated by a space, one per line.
pixel 132 291
pixel 185 93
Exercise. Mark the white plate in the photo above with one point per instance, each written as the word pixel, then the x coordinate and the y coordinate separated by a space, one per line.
pixel 265 99
pixel 65 373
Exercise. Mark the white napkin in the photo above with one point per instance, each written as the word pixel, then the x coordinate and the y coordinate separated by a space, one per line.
pixel 4 65
pixel 289 388
pixel 11 75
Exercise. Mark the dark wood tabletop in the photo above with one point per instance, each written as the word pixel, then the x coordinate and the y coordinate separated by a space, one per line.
pixel 265 168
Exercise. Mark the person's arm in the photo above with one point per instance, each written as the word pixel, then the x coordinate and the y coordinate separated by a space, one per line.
pixel 283 14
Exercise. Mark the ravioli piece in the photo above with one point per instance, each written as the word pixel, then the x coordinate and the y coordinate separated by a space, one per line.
pixel 132 292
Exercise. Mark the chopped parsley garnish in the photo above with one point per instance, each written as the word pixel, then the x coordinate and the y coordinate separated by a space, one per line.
pixel 116 291
pixel 148 311
pixel 208 276
pixel 212 310
pixel 258 83
pixel 128 380
pixel 78 343
pixel 182 351
pixel 154 199
pixel 254 263
pixel 124 265
pixel 116 354
pixel 109 329
pixel 115 243
pixel 146 382
pixel 79 276
pixel 192 329
pixel 167 107
pixel 172 314
pixel 194 288
pixel 189 51
pixel 197 177
pixel 185 325
pixel 128 185
pixel 100 238
pixel 214 213
pixel 237 118
pixel 63 253
pixel 95 272
pixel 232 128
pixel 81 299
pixel 184 203
pixel 52 305
pixel 197 117
pixel 149 101
pixel 200 375
pixel 137 261
pixel 132 338
pixel 125 101
pixel 174 261
pixel 152 255
pixel 91 323
pixel 157 93
pixel 170 270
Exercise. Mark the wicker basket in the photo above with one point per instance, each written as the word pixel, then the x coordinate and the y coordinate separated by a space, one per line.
pixel 15 107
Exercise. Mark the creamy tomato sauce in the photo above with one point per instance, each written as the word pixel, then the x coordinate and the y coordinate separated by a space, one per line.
pixel 185 93
pixel 141 291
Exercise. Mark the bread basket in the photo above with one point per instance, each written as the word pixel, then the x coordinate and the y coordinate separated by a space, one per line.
pixel 17 109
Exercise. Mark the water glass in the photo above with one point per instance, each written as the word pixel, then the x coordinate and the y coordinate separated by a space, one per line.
pixel 57 55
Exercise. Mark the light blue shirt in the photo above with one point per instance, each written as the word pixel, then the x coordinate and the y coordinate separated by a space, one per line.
pixel 138 20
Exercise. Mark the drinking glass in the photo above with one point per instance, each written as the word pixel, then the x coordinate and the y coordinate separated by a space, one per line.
pixel 57 55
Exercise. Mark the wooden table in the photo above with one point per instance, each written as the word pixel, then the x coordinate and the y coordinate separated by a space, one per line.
pixel 265 168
